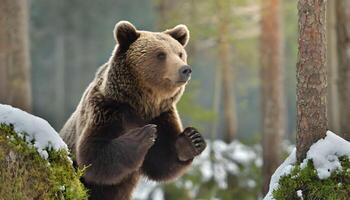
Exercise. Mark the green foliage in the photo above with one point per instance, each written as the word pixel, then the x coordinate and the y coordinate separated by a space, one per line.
pixel 336 187
pixel 192 111
pixel 24 174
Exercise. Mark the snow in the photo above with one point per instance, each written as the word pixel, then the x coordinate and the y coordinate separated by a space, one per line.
pixel 325 152
pixel 32 128
pixel 283 169
pixel 146 189
pixel 300 194
pixel 228 158
pixel 324 155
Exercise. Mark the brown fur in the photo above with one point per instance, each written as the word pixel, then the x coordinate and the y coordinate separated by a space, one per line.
pixel 126 123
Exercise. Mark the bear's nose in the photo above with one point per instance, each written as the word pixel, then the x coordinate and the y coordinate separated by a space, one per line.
pixel 185 72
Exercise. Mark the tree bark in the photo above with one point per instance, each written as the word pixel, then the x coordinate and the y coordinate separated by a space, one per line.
pixel 343 42
pixel 14 54
pixel 332 94
pixel 311 75
pixel 273 103
pixel 230 118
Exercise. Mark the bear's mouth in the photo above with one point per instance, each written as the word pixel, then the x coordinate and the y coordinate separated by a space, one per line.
pixel 178 82
pixel 181 82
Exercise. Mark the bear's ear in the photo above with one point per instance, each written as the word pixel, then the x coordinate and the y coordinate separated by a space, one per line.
pixel 179 33
pixel 125 34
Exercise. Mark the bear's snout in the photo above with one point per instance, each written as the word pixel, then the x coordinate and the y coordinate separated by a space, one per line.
pixel 185 73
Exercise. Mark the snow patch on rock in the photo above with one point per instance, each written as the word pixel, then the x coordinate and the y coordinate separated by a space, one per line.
pixel 325 152
pixel 32 128
pixel 324 155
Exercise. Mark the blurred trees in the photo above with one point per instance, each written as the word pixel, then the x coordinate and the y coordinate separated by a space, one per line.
pixel 332 68
pixel 165 13
pixel 74 38
pixel 338 63
pixel 311 75
pixel 14 54
pixel 343 46
pixel 204 56
pixel 290 25
pixel 69 44
pixel 225 68
pixel 273 104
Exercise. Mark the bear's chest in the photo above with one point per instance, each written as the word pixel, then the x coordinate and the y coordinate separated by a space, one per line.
pixel 128 118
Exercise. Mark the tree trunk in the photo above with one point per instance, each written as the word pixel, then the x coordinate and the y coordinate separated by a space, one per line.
pixel 273 103
pixel 311 75
pixel 343 42
pixel 14 54
pixel 230 118
pixel 332 94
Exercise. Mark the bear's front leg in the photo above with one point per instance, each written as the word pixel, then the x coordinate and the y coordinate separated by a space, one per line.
pixel 174 149
pixel 136 143
pixel 189 144
pixel 111 161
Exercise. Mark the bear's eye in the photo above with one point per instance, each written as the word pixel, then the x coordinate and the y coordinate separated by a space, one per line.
pixel 180 54
pixel 161 55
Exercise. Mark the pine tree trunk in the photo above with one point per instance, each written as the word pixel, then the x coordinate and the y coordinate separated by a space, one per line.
pixel 230 118
pixel 332 94
pixel 311 75
pixel 343 38
pixel 273 103
pixel 14 54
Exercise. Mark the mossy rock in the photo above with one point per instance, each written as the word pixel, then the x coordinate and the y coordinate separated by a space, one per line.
pixel 24 174
pixel 336 187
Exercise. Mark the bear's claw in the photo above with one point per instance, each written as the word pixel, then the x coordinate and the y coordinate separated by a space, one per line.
pixel 196 139
pixel 190 144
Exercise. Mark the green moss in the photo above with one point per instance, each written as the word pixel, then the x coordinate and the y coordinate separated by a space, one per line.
pixel 336 187
pixel 24 174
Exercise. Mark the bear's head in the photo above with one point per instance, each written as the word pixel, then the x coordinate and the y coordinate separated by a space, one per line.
pixel 158 58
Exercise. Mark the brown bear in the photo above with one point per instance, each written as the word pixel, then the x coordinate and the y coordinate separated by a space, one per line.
pixel 126 123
